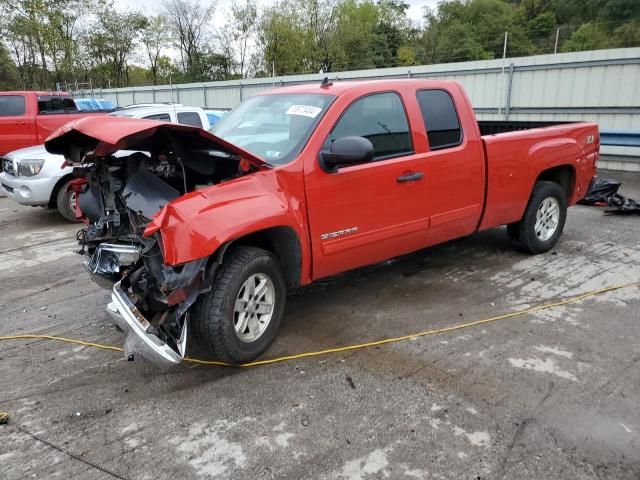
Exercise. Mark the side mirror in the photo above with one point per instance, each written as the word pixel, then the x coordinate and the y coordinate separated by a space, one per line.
pixel 346 151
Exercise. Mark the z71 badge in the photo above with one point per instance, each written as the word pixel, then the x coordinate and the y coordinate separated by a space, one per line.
pixel 339 233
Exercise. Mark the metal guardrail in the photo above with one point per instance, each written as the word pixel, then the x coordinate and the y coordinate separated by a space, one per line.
pixel 620 138
pixel 627 160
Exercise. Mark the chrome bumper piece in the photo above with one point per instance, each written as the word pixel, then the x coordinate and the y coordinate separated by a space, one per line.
pixel 139 341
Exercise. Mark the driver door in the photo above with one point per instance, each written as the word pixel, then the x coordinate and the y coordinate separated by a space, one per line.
pixel 15 127
pixel 370 212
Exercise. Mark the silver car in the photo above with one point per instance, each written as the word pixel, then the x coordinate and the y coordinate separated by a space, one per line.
pixel 33 176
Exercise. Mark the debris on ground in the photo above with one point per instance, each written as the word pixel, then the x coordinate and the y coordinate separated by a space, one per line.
pixel 600 191
pixel 4 418
pixel 622 205
pixel 604 193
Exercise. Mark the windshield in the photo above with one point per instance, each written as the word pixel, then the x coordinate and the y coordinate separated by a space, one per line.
pixel 273 127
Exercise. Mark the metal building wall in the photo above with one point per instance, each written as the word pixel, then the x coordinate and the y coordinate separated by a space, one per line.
pixel 598 86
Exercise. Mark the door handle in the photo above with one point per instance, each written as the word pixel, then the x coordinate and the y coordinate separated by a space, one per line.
pixel 410 177
pixel 21 123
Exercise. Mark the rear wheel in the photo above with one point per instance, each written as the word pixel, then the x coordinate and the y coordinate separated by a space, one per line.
pixel 543 219
pixel 65 202
pixel 239 318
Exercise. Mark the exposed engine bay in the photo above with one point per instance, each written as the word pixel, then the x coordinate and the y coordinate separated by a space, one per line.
pixel 118 194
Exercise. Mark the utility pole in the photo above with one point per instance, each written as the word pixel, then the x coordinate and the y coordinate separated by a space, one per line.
pixel 504 56
pixel 555 49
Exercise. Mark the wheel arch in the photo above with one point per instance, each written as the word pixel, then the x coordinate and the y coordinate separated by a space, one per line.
pixel 563 175
pixel 281 241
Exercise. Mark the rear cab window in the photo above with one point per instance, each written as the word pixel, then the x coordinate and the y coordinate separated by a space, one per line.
pixel 440 118
pixel 380 118
pixel 52 104
pixel 12 105
pixel 189 118
pixel 160 117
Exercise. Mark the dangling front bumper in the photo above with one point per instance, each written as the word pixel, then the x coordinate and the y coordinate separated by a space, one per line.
pixel 136 327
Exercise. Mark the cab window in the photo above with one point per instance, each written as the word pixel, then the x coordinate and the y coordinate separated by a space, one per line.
pixel 56 104
pixel 12 105
pixel 189 118
pixel 160 117
pixel 382 120
pixel 440 119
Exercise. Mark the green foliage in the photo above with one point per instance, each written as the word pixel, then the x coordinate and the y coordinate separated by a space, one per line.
pixel 352 45
pixel 156 37
pixel 588 37
pixel 8 71
pixel 628 35
pixel 45 42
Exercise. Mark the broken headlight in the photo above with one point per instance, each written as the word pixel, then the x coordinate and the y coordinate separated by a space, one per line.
pixel 108 261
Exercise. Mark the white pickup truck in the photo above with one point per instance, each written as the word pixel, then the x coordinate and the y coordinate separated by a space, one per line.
pixel 33 176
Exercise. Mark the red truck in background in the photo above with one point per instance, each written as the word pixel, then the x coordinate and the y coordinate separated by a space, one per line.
pixel 207 231
pixel 28 118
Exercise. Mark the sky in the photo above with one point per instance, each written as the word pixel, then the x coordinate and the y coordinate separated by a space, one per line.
pixel 149 6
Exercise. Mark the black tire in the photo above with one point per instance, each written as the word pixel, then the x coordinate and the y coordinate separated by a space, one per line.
pixel 213 316
pixel 63 203
pixel 523 235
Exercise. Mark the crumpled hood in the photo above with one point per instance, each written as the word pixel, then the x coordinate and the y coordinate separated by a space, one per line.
pixel 105 135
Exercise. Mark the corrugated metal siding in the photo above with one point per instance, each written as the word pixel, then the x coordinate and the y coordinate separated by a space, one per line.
pixel 600 86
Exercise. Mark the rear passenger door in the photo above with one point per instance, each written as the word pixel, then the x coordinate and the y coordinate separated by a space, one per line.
pixel 369 212
pixel 455 169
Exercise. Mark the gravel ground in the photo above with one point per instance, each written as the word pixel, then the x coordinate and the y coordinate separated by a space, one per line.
pixel 554 394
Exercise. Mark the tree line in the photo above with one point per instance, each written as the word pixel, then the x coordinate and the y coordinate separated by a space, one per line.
pixel 46 43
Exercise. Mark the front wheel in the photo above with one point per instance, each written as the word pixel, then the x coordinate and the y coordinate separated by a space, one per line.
pixel 238 319
pixel 543 219
pixel 66 201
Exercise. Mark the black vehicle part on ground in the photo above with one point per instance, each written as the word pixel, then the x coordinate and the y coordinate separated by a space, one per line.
pixel 622 205
pixel 600 191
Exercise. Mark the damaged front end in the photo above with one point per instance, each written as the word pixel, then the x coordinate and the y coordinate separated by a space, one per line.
pixel 150 302
pixel 127 171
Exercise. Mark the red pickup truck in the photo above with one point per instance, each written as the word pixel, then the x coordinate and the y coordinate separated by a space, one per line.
pixel 28 118
pixel 207 231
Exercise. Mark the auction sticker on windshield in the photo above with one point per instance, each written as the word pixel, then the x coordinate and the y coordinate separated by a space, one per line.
pixel 304 110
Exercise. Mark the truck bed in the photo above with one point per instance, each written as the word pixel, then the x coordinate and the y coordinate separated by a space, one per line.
pixel 517 151
pixel 495 127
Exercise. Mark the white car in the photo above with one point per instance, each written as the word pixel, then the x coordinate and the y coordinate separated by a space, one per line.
pixel 33 176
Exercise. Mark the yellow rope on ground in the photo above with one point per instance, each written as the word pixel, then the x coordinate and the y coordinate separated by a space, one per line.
pixel 347 348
